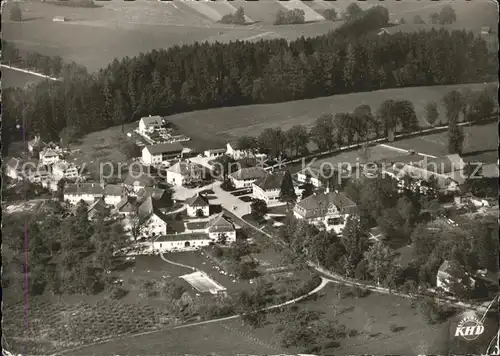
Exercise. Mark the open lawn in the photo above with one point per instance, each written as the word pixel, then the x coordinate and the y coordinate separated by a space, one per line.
pixel 197 340
pixel 480 143
pixel 232 122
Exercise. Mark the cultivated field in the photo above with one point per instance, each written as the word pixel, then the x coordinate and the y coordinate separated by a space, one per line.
pixel 95 36
pixel 232 122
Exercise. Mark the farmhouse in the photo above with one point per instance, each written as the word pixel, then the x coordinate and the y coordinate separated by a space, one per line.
pixel 180 242
pixel 452 272
pixel 312 174
pixel 268 188
pixel 49 156
pixel 135 181
pixel 156 154
pixel 245 177
pixel 214 153
pixel 331 209
pixel 37 174
pixel 218 226
pixel 184 172
pixel 113 193
pixel 87 192
pixel 198 203
pixel 150 123
pixel 155 224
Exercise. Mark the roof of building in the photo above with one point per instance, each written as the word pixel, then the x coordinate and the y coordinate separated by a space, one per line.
pixel 83 188
pixel 423 173
pixel 141 179
pixel 216 150
pixel 235 144
pixel 114 190
pixel 448 266
pixel 153 192
pixel 409 158
pixel 127 204
pixel 270 181
pixel 13 162
pixel 218 223
pixel 322 201
pixel 185 168
pixel 98 205
pixel 152 120
pixel 159 148
pixel 182 237
pixel 249 173
pixel 197 201
pixel 49 152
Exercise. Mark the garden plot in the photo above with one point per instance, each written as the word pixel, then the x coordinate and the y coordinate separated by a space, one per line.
pixel 310 14
pixel 203 283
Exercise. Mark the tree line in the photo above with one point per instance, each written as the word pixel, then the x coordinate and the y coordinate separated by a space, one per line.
pixel 202 76
pixel 332 131
pixel 69 255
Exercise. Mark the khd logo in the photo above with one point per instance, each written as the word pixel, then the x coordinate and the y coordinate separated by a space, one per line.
pixel 469 328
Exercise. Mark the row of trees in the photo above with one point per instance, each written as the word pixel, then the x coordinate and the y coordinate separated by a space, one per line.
pixel 65 256
pixel 202 76
pixel 329 131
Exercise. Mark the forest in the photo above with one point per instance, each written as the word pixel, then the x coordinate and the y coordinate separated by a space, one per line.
pixel 209 75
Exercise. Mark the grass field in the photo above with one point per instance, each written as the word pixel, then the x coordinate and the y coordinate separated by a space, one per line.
pixel 414 336
pixel 95 36
pixel 480 143
pixel 231 122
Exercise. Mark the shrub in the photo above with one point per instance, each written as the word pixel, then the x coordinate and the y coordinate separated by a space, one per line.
pixel 430 310
pixel 330 14
pixel 118 293
pixel 238 18
pixel 295 16
pixel 360 292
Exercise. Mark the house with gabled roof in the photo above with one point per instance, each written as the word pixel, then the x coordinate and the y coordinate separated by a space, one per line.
pixel 161 152
pixel 159 197
pixel 218 226
pixel 197 203
pixel 49 156
pixel 245 177
pixel 126 206
pixel 451 272
pixel 88 192
pixel 63 169
pixel 234 150
pixel 155 224
pixel 330 209
pixel 114 193
pixel 98 208
pixel 184 172
pixel 268 188
pixel 150 123
pixel 181 242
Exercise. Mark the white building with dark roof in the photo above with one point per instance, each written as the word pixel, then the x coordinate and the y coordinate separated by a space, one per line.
pixel 245 177
pixel 114 193
pixel 49 156
pixel 268 188
pixel 156 154
pixel 184 172
pixel 87 192
pixel 330 209
pixel 150 123
pixel 218 226
pixel 135 181
pixel 198 203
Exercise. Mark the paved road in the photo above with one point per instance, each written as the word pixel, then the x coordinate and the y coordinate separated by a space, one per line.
pixel 227 201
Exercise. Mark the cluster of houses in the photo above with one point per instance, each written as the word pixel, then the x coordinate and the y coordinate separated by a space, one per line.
pixel 46 165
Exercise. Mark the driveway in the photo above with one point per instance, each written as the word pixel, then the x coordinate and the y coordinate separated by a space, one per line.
pixel 227 201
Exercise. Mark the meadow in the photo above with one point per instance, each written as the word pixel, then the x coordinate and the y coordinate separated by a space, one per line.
pixel 93 37
pixel 229 123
